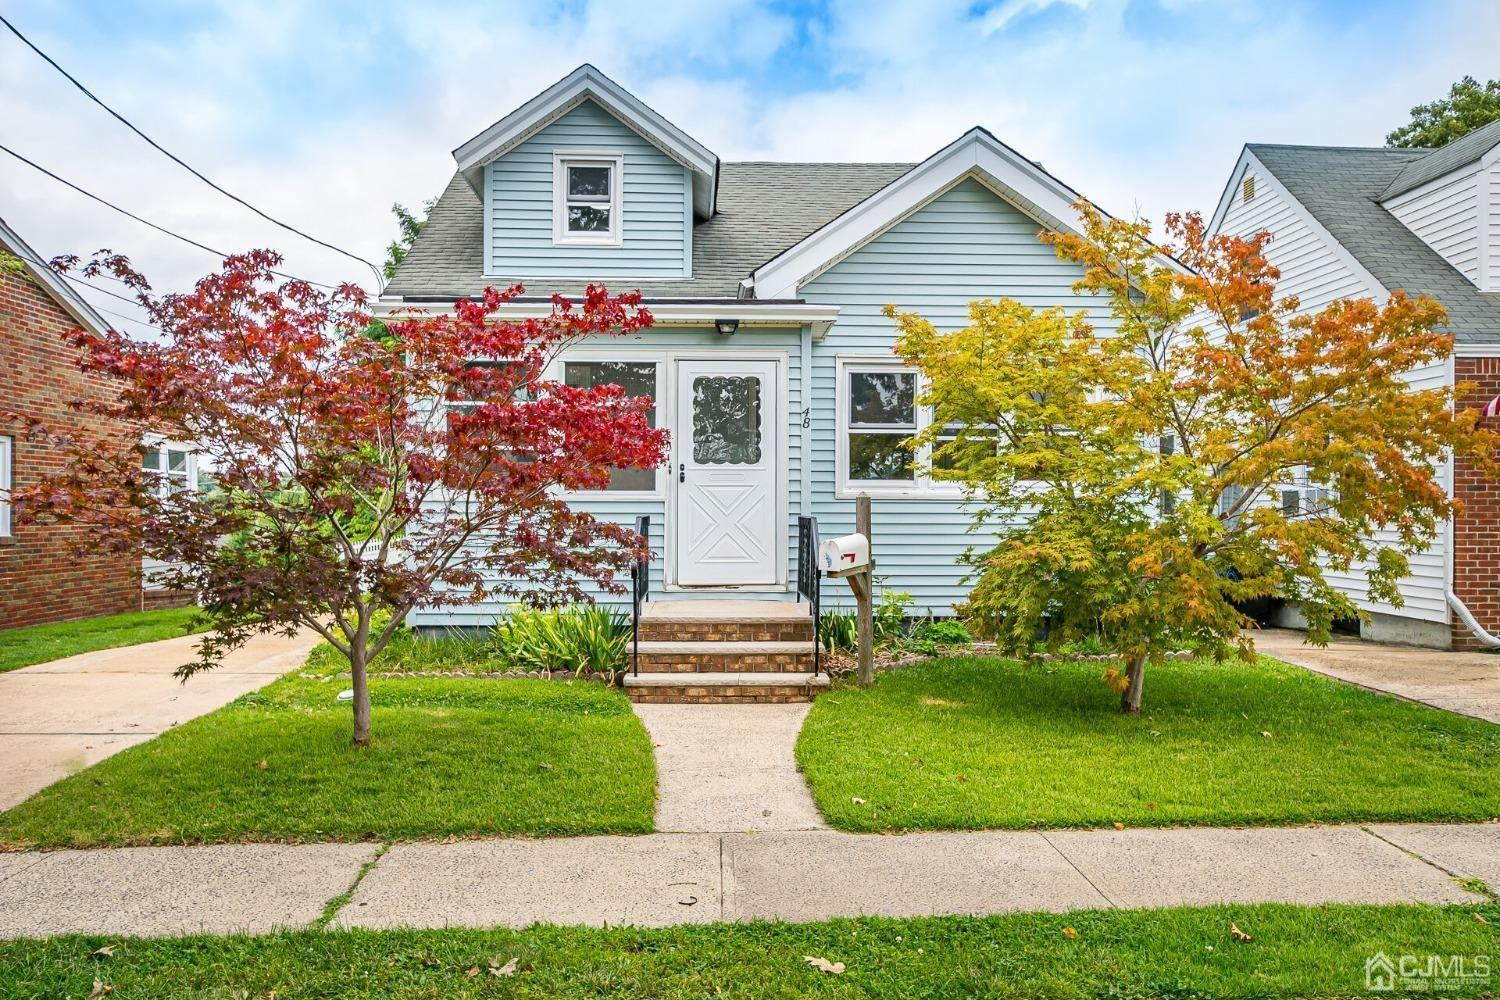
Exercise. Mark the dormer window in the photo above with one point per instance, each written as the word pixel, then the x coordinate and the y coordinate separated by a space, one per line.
pixel 586 199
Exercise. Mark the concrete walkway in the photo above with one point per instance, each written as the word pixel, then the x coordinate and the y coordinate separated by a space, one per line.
pixel 666 879
pixel 62 716
pixel 1466 683
pixel 729 768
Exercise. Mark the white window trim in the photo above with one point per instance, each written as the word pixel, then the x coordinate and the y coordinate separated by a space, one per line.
pixel 561 161
pixel 161 446
pixel 556 373
pixel 923 487
pixel 7 456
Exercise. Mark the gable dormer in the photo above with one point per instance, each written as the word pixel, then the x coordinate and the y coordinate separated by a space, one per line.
pixel 584 180
pixel 1450 198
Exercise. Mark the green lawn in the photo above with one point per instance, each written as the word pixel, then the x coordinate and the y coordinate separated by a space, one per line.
pixel 986 743
pixel 1296 951
pixel 21 647
pixel 450 757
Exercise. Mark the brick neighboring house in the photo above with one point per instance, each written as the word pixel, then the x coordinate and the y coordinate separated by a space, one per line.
pixel 41 578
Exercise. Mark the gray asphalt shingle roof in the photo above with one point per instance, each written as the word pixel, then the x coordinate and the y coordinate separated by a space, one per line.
pixel 1458 153
pixel 763 208
pixel 1341 187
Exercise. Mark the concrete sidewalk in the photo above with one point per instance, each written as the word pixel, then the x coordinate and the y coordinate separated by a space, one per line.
pixel 65 715
pixel 1466 683
pixel 665 879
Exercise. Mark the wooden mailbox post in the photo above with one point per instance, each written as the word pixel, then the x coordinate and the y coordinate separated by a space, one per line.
pixel 861 581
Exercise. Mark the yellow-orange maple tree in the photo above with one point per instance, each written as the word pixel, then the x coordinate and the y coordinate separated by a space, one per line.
pixel 1214 446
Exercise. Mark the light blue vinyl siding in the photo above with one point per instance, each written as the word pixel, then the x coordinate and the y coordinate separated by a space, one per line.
pixel 653 345
pixel 656 206
pixel 964 245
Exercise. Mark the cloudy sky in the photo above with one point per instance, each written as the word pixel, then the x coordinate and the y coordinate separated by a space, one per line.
pixel 324 113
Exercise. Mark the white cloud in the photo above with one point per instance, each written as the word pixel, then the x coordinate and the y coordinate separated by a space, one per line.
pixel 1129 112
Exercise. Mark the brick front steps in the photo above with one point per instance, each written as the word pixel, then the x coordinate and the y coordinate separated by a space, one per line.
pixel 711 652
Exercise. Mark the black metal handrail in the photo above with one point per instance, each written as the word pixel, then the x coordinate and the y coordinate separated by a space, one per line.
pixel 640 589
pixel 810 581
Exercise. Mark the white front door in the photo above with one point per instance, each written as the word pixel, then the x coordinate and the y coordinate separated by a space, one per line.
pixel 726 474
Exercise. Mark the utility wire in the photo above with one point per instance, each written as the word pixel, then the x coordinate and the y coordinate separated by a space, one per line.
pixel 131 215
pixel 81 283
pixel 379 282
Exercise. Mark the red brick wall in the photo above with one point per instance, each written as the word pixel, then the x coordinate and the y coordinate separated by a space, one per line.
pixel 41 580
pixel 1476 534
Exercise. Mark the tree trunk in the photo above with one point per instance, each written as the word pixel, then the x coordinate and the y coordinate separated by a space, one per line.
pixel 1130 698
pixel 361 695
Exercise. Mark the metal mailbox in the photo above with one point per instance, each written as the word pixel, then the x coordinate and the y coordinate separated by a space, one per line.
pixel 844 553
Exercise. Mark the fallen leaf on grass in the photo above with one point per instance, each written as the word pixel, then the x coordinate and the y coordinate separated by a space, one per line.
pixel 959 777
pixel 473 971
pixel 105 952
pixel 1070 933
pixel 263 765
pixel 858 801
pixel 823 965
pixel 1239 935
pixel 99 989
pixel 1265 734
pixel 508 969
pixel 1480 917
pixel 1119 826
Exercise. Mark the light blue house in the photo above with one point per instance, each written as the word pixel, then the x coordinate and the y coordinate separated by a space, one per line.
pixel 770 361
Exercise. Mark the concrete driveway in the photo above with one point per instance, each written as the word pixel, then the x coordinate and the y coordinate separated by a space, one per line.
pixel 59 717
pixel 1466 683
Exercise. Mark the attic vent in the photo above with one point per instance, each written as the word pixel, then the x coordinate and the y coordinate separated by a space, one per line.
pixel 1249 187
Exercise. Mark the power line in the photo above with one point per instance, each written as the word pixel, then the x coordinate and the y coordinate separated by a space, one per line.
pixel 180 162
pixel 131 215
pixel 81 283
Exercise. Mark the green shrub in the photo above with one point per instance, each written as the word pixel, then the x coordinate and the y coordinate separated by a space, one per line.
pixel 576 639
pixel 839 631
pixel 936 632
pixel 890 618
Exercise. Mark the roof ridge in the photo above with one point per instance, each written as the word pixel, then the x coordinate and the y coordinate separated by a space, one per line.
pixel 821 163
pixel 1419 150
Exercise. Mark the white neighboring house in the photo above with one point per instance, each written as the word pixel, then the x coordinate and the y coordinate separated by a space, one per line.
pixel 176 465
pixel 1349 222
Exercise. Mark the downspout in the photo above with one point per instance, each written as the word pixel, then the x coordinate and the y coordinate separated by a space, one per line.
pixel 1455 603
pixel 1464 615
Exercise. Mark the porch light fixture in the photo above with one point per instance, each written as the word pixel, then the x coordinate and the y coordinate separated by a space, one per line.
pixel 726 327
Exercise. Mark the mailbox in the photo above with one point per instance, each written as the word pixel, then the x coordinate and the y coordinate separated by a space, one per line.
pixel 844 553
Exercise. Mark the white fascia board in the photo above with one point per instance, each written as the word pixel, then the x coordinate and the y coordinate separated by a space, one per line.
pixel 1372 284
pixel 1226 198
pixel 665 314
pixel 587 83
pixel 49 279
pixel 976 153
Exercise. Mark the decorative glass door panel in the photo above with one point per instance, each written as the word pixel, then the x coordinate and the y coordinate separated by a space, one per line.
pixel 726 473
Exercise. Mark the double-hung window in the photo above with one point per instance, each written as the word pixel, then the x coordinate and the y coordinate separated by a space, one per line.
pixel 586 202
pixel 172 465
pixel 878 413
pixel 7 459
pixel 637 378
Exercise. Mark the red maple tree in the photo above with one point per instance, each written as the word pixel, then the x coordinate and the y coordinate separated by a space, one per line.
pixel 361 469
